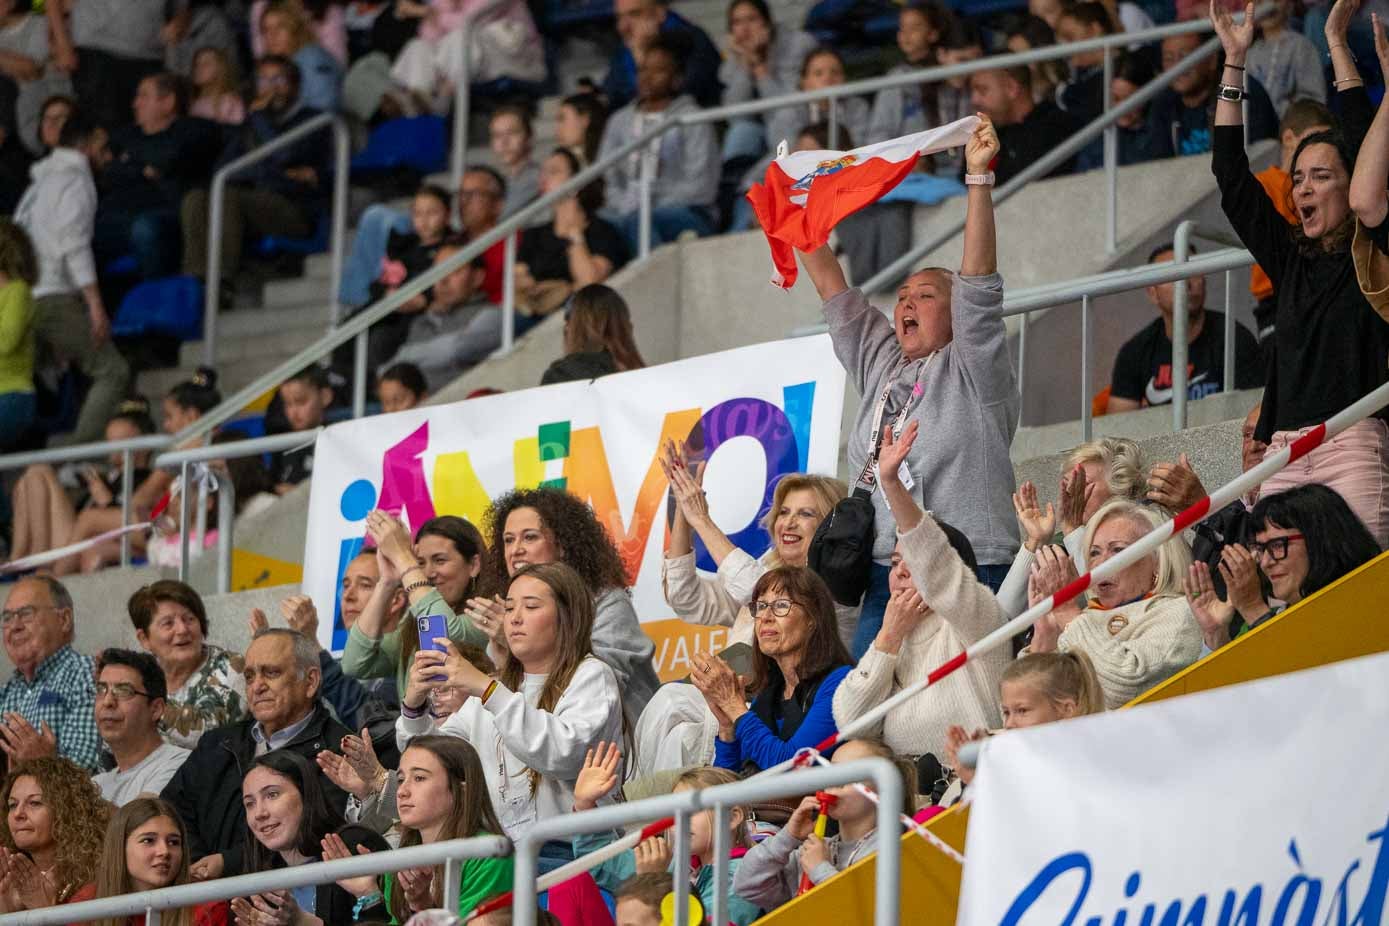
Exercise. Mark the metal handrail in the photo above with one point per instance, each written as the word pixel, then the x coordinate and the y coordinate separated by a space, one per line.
pixel 451 854
pixel 342 144
pixel 226 501
pixel 886 779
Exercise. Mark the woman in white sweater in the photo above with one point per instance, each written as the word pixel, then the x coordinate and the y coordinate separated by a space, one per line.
pixel 799 503
pixel 533 725
pixel 1138 629
pixel 937 608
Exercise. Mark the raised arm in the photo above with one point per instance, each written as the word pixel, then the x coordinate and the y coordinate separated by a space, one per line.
pixel 1371 177
pixel 981 243
pixel 1344 73
pixel 825 272
pixel 1236 38
pixel 687 483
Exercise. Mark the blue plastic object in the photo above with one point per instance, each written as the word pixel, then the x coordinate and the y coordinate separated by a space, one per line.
pixel 125 266
pixel 317 243
pixel 418 143
pixel 171 306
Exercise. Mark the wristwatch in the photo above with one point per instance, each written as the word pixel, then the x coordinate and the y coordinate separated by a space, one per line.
pixel 979 179
pixel 1232 94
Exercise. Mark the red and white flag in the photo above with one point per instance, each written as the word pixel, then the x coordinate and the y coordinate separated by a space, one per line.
pixel 805 194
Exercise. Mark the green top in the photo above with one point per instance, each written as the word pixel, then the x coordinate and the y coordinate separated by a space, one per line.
pixel 16 337
pixel 483 879
pixel 363 657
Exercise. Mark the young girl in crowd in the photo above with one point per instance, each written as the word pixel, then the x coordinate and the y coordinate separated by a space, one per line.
pixel 579 125
pixel 215 94
pixel 510 136
pixel 601 775
pixel 45 514
pixel 771 871
pixel 19 270
pixel 1036 689
pixel 408 254
pixel 903 110
pixel 401 387
pixel 443 794
pixel 183 405
pixel 447 565
pixel 51 837
pixel 306 397
pixel 537 721
pixel 288 821
pixel 146 849
pixel 598 337
pixel 762 62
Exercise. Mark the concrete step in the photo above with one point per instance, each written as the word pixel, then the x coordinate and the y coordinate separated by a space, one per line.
pixel 275 341
pixel 298 291
pixel 288 316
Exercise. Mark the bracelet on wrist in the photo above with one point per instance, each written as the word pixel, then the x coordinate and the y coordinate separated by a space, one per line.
pixel 422 583
pixel 365 903
pixel 487 693
pixel 1237 67
pixel 414 713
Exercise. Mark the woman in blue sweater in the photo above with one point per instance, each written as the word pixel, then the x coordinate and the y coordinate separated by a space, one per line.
pixel 800 661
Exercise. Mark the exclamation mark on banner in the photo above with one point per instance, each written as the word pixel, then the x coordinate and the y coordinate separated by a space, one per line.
pixel 554 449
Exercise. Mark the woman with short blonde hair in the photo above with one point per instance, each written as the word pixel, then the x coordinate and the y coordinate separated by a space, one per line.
pixel 1138 628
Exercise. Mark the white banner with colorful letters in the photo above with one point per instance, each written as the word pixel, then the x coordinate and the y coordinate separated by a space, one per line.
pixel 763 411
pixel 1263 804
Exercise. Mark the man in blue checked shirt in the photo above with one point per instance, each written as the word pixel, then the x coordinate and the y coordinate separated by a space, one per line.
pixel 48 705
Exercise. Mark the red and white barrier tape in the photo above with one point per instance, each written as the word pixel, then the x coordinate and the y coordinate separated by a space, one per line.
pixel 1144 546
pixel 25 563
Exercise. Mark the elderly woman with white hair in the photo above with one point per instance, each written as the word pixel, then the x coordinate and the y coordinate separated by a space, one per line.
pixel 1138 629
pixel 1094 473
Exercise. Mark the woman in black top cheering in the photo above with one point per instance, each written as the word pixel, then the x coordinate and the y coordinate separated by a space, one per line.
pixel 1331 348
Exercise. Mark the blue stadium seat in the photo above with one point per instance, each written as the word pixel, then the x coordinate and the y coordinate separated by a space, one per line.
pixel 122 267
pixel 560 15
pixel 171 306
pixel 419 143
pixel 317 243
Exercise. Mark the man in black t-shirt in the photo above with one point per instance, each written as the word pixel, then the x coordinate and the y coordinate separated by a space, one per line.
pixel 1026 130
pixel 1143 369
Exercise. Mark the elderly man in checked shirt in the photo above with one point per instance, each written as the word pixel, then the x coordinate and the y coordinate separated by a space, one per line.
pixel 47 707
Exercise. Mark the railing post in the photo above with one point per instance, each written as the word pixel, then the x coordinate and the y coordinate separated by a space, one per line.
pixel 721 850
pixel 834 138
pixel 127 489
pixel 1022 353
pixel 453 883
pixel 681 865
pixel 888 897
pixel 1228 354
pixel 524 875
pixel 212 284
pixel 200 518
pixel 342 167
pixel 1111 161
pixel 1181 246
pixel 183 522
pixel 461 92
pixel 644 214
pixel 1086 424
pixel 151 916
pixel 508 295
pixel 226 524
pixel 359 374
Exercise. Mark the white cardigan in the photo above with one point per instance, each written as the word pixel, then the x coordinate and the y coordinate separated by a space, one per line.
pixel 512 737
pixel 962 611
pixel 1160 638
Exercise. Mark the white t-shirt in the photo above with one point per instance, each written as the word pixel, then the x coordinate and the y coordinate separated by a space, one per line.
pixel 148 776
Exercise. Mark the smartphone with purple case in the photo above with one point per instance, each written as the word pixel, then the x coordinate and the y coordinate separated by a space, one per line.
pixel 434 635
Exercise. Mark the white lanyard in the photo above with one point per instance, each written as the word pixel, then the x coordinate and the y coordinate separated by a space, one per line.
pixel 868 478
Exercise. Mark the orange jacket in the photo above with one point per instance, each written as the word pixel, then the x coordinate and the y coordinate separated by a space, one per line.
pixel 1279 187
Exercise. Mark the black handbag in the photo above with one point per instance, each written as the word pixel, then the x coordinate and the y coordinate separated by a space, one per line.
pixel 841 552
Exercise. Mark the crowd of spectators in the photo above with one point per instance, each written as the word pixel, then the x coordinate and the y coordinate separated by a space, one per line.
pixel 183 760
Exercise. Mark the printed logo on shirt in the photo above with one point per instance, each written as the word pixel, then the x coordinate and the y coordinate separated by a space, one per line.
pixel 1159 388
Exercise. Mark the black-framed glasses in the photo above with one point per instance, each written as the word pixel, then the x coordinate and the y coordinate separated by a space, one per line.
pixel 1276 548
pixel 121 691
pixel 25 614
pixel 781 607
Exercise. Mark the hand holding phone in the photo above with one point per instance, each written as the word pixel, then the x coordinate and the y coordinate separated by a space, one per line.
pixel 434 635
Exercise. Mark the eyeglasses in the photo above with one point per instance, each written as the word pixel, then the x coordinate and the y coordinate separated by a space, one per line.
pixel 23 615
pixel 121 691
pixel 781 607
pixel 1277 548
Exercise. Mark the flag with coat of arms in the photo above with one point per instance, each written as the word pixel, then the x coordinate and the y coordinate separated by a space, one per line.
pixel 806 193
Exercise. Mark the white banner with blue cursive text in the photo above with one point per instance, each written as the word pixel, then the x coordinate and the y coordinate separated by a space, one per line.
pixel 1263 804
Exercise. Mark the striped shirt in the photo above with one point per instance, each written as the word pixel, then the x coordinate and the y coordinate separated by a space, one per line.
pixel 62 695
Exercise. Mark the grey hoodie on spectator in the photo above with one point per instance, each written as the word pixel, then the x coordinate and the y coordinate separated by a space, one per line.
pixel 128 28
pixel 771 871
pixel 687 159
pixel 968 410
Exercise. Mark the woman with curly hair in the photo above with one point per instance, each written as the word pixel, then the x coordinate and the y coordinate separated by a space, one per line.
pixel 144 851
pixel 51 837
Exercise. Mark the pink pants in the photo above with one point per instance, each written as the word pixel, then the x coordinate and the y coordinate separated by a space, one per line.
pixel 1354 464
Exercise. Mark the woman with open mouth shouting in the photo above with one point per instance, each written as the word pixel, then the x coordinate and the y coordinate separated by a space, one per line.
pixel 1330 346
